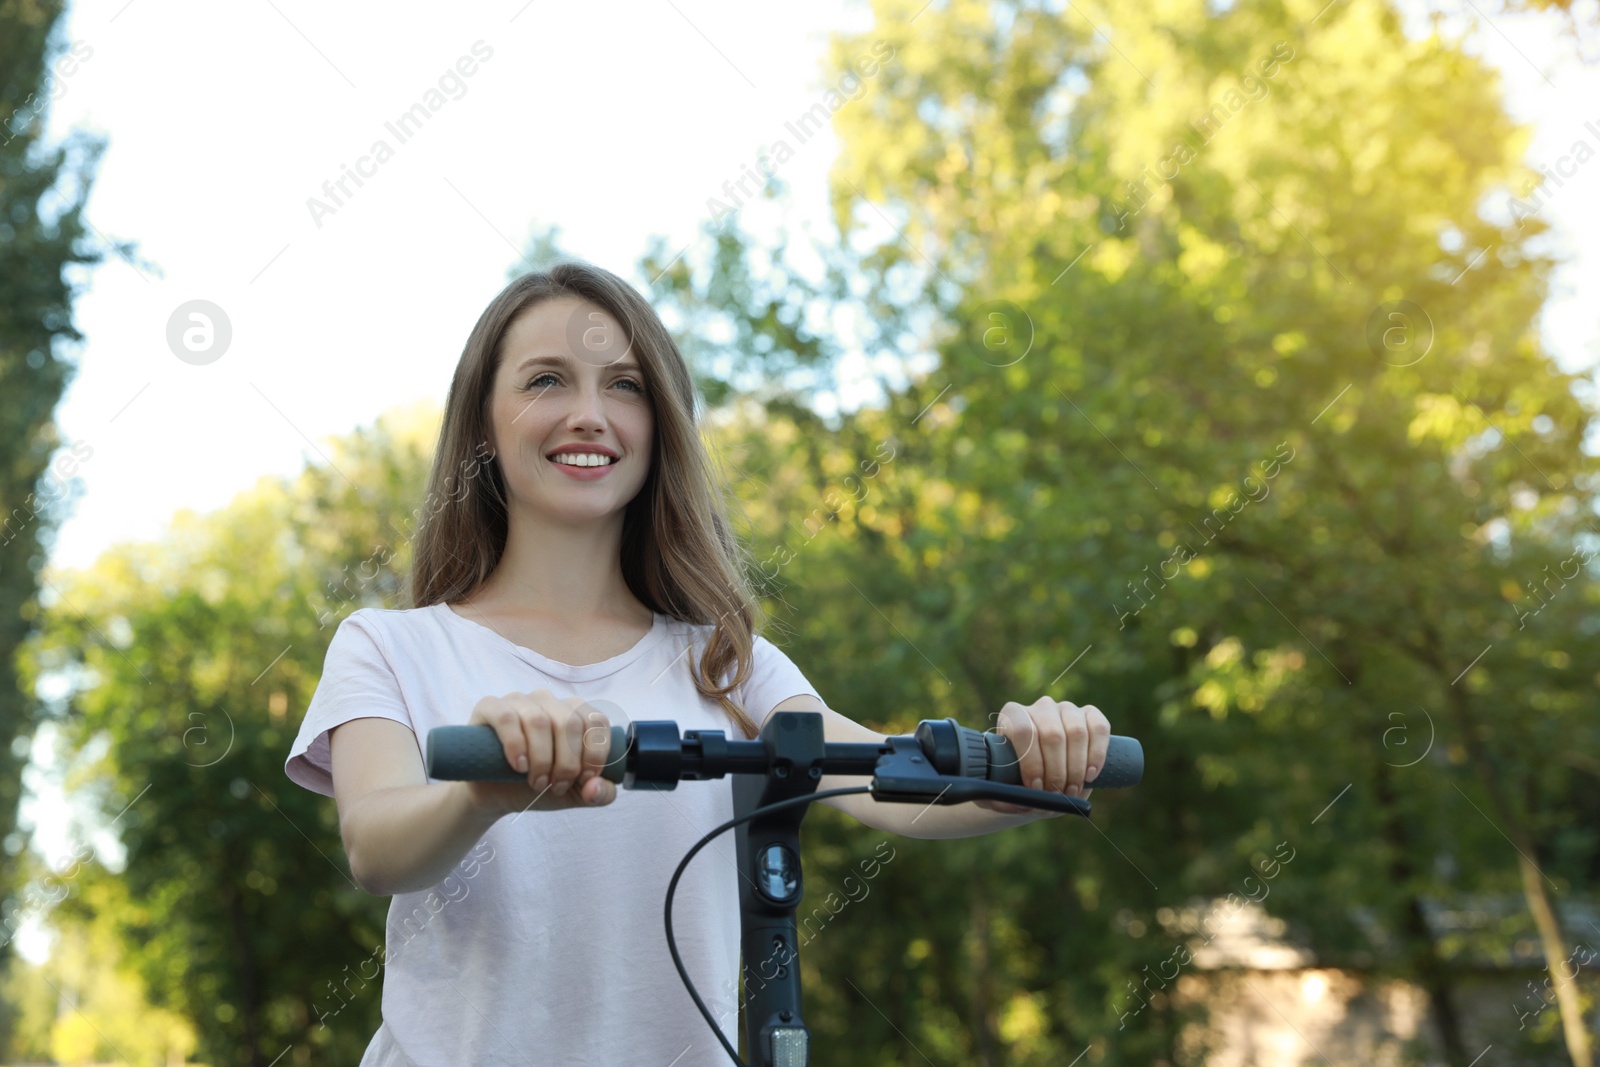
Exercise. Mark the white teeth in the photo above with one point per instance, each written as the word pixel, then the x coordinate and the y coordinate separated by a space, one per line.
pixel 582 459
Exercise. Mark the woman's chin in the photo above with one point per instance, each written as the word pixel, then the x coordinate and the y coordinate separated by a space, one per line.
pixel 579 513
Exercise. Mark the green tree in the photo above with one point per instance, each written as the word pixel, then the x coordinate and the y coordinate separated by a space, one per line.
pixel 42 193
pixel 193 659
pixel 1177 426
pixel 86 1007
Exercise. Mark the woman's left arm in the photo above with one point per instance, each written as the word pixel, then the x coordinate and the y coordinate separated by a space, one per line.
pixel 1060 745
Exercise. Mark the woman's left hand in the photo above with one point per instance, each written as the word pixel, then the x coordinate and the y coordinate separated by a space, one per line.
pixel 1059 744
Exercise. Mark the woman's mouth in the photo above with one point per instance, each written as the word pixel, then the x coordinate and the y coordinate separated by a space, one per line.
pixel 585 466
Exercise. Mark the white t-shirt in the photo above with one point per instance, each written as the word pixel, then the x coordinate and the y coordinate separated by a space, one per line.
pixel 545 946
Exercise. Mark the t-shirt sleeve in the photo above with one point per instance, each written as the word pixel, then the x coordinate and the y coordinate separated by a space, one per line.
pixel 773 679
pixel 357 682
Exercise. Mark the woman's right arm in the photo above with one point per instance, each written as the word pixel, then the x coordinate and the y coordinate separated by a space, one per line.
pixel 403 833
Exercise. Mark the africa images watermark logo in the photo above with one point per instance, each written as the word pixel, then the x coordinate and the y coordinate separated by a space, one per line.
pixel 804 127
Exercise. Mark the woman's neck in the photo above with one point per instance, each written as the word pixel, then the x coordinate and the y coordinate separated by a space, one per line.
pixel 561 571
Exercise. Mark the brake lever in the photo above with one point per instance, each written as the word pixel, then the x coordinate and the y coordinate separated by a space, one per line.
pixel 960 790
pixel 904 775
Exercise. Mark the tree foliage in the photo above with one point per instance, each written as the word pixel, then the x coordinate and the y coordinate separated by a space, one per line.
pixel 1317 546
pixel 1230 417
pixel 192 659
pixel 42 192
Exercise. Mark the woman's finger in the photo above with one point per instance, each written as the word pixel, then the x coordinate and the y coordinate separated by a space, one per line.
pixel 566 731
pixel 536 727
pixel 596 751
pixel 1099 741
pixel 499 713
pixel 1051 740
pixel 1075 746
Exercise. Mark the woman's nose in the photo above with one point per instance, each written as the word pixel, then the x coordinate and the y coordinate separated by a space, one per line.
pixel 587 408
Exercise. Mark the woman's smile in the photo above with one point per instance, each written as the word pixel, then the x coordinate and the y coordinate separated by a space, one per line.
pixel 582 472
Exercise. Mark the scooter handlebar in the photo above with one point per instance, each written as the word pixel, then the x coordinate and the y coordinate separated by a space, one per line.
pixel 473 753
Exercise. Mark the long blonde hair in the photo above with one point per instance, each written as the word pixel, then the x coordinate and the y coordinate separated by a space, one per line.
pixel 679 555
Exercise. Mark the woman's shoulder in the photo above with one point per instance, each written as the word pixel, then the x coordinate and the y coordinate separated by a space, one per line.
pixel 393 614
pixel 390 620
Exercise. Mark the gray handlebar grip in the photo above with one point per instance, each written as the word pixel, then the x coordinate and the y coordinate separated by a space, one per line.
pixel 1124 762
pixel 473 754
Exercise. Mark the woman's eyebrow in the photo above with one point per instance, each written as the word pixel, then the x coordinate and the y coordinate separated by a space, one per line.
pixel 562 361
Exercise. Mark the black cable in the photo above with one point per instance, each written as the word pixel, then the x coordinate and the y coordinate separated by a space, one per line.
pixel 672 887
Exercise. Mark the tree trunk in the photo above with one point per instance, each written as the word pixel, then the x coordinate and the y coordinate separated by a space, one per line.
pixel 1512 827
pixel 249 993
pixel 1533 886
pixel 1554 945
pixel 985 1031
pixel 1423 954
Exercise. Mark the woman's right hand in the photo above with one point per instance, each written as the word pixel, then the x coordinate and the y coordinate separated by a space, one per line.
pixel 560 742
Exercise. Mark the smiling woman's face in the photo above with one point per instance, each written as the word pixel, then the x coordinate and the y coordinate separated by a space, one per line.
pixel 567 378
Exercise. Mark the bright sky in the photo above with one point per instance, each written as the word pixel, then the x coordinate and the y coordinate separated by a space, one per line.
pixel 224 119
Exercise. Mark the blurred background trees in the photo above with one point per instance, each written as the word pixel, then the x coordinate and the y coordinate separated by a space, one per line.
pixel 1224 410
pixel 42 192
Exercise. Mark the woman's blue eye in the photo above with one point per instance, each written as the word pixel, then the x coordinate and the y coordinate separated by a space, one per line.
pixel 637 386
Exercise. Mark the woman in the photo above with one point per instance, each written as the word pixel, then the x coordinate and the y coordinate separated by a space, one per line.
pixel 583 569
